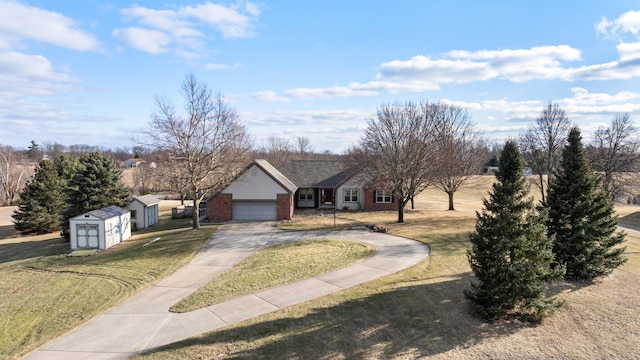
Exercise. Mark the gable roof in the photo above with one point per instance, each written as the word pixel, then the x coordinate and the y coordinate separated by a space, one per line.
pixel 317 173
pixel 104 213
pixel 147 200
pixel 275 174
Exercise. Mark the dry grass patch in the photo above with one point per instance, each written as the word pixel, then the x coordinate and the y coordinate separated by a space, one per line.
pixel 275 266
pixel 421 312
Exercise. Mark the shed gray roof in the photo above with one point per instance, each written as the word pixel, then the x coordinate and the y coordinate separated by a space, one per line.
pixel 317 173
pixel 276 175
pixel 105 213
pixel 147 199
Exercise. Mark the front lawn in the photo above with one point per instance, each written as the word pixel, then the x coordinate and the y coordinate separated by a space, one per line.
pixel 421 312
pixel 44 293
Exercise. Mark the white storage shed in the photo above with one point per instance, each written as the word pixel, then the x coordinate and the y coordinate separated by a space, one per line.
pixel 100 229
pixel 144 211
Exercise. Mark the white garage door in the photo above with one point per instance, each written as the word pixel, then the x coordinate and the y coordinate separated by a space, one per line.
pixel 255 210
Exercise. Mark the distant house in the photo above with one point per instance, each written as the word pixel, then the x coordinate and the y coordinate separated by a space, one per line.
pixel 263 192
pixel 144 211
pixel 100 229
pixel 133 162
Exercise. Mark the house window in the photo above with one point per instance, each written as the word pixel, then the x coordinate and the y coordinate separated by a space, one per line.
pixel 133 214
pixel 383 196
pixel 305 194
pixel 350 195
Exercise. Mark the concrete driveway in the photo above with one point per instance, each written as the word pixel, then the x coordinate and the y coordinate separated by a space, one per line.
pixel 144 322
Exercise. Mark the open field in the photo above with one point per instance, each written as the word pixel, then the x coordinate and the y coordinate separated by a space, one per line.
pixel 45 293
pixel 421 312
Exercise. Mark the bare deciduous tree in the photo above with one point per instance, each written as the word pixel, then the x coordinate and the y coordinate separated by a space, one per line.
pixel 458 149
pixel 278 151
pixel 303 146
pixel 615 154
pixel 208 143
pixel 14 173
pixel 543 142
pixel 396 149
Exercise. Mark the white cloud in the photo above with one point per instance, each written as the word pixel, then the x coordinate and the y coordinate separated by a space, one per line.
pixel 234 21
pixel 425 73
pixel 270 96
pixel 19 22
pixel 628 51
pixel 627 23
pixel 181 27
pixel 151 41
pixel 25 75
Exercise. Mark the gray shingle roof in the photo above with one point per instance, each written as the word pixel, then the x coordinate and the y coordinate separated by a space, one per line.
pixel 147 199
pixel 105 213
pixel 317 173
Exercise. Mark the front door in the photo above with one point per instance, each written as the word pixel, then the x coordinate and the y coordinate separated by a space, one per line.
pixel 326 195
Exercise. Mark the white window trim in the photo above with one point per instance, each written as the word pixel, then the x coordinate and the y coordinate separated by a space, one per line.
pixel 351 194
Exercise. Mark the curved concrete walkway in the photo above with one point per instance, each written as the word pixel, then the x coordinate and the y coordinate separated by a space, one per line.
pixel 144 322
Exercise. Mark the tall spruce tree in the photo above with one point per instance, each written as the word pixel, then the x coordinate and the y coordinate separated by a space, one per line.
pixel 96 185
pixel 511 254
pixel 582 218
pixel 41 201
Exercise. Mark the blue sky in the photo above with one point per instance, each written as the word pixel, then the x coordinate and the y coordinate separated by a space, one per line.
pixel 86 72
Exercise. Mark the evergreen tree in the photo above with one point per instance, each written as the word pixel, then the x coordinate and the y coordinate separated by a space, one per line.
pixel 96 185
pixel 41 201
pixel 511 254
pixel 582 218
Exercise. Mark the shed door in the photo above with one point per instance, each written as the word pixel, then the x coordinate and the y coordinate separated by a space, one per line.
pixel 255 210
pixel 87 235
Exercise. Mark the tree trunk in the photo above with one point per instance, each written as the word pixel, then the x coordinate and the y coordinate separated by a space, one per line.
pixel 195 216
pixel 541 177
pixel 450 193
pixel 401 205
pixel 412 204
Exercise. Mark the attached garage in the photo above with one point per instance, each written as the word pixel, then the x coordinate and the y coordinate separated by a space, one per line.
pixel 246 210
pixel 260 193
pixel 100 229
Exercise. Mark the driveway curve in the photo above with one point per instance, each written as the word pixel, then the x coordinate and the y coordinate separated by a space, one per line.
pixel 143 322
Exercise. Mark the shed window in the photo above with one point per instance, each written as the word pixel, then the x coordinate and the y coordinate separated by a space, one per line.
pixel 133 214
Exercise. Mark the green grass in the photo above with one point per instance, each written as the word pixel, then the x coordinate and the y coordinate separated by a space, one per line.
pixel 274 266
pixel 421 312
pixel 44 293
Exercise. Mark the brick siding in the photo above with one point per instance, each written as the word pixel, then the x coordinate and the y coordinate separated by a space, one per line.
pixel 285 206
pixel 219 208
pixel 370 203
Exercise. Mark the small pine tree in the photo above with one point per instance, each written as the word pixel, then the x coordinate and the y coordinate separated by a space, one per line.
pixel 96 185
pixel 511 254
pixel 41 201
pixel 581 217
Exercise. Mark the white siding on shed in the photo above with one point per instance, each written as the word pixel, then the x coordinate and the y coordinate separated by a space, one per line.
pixel 100 229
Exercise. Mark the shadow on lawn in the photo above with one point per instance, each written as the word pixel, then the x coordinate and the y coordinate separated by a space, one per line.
pixel 27 249
pixel 631 221
pixel 416 320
